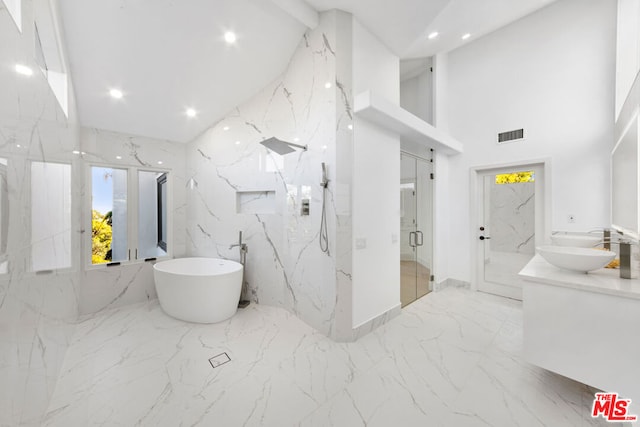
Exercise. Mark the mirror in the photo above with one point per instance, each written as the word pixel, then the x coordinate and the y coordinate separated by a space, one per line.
pixel 624 181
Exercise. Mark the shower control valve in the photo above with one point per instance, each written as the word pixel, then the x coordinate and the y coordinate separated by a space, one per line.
pixel 305 207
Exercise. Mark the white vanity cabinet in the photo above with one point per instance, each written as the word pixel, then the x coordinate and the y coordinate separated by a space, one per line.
pixel 583 326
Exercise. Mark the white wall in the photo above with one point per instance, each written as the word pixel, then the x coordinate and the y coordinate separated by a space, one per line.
pixel 374 66
pixel 627 49
pixel 376 178
pixel 551 73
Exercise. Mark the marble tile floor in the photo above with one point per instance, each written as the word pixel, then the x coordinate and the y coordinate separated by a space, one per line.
pixel 452 358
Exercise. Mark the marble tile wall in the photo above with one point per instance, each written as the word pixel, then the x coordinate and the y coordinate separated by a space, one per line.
pixel 310 104
pixel 110 287
pixel 37 311
pixel 513 217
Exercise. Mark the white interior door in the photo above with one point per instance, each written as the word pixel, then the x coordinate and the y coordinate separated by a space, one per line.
pixel 509 227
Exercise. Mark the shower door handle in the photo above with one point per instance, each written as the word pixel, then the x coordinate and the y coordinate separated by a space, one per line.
pixel 484 238
pixel 412 234
pixel 421 238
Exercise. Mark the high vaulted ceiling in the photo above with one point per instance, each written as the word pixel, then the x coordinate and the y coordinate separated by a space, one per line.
pixel 170 55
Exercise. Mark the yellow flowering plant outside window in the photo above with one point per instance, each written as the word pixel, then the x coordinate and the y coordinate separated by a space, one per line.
pixel 515 177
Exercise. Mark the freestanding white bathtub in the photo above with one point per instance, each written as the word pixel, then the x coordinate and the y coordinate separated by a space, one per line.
pixel 201 290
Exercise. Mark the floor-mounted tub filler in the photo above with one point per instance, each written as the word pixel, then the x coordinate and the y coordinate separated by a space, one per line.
pixel 201 290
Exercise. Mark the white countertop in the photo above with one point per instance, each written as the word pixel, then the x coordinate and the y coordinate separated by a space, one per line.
pixel 605 280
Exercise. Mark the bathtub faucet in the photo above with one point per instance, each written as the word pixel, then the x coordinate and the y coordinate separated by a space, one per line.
pixel 243 248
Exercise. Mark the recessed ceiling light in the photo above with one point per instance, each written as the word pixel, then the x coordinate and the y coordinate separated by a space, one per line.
pixel 230 37
pixel 237 142
pixel 18 145
pixel 225 128
pixel 296 139
pixel 76 152
pixel 24 70
pixel 191 112
pixel 432 35
pixel 350 127
pixel 327 85
pixel 119 157
pixel 466 36
pixel 159 162
pixel 116 93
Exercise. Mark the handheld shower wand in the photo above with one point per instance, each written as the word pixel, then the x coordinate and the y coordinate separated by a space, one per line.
pixel 325 181
pixel 324 234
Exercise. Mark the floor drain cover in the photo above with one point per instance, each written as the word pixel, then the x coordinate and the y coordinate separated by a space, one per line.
pixel 219 359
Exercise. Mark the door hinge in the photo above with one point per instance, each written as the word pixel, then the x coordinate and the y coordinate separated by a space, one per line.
pixel 432 278
pixel 433 176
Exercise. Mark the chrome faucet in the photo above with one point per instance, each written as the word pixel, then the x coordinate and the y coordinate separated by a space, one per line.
pixel 243 248
pixel 625 255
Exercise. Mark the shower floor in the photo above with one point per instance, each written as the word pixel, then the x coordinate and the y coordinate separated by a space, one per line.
pixel 452 358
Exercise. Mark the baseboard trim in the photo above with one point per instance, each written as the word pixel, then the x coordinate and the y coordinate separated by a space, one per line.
pixel 373 324
pixel 451 283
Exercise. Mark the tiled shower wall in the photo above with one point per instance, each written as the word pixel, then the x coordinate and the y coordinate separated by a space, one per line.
pixel 310 104
pixel 37 310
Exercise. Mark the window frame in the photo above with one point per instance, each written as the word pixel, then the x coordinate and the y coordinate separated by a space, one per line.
pixel 132 214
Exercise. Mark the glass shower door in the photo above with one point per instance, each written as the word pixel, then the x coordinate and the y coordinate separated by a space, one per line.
pixel 415 228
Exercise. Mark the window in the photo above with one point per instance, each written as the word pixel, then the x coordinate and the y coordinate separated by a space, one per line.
pixel 109 218
pixel 128 222
pixel 50 216
pixel 152 214
pixel 515 177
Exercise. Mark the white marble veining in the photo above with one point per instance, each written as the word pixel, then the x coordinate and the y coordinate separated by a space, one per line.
pixel 308 105
pixel 37 311
pixel 451 358
pixel 102 287
pixel 512 217
pixel 604 280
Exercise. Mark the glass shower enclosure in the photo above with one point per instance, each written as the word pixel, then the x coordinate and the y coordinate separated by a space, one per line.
pixel 416 228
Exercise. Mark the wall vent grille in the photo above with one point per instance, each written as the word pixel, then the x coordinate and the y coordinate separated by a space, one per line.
pixel 511 136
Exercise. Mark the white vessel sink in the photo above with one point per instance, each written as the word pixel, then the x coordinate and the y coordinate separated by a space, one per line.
pixel 575 240
pixel 576 259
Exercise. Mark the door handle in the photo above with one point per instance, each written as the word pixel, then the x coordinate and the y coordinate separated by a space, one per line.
pixel 412 234
pixel 484 238
pixel 421 238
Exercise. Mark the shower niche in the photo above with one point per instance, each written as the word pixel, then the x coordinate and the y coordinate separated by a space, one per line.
pixel 256 202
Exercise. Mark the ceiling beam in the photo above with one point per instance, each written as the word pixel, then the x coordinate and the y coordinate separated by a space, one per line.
pixel 299 10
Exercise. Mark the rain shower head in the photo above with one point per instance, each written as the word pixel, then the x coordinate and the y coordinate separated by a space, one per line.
pixel 281 147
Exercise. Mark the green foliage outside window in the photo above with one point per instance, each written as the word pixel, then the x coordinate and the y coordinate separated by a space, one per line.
pixel 100 237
